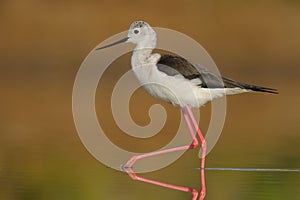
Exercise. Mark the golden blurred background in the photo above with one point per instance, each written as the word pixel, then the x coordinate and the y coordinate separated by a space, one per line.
pixel 42 45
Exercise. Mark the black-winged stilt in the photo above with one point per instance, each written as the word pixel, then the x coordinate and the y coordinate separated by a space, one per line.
pixel 177 81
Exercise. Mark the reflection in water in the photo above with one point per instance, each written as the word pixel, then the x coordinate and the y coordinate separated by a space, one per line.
pixel 202 192
pixel 193 191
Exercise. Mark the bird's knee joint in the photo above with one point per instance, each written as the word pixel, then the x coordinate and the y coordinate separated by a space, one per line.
pixel 194 144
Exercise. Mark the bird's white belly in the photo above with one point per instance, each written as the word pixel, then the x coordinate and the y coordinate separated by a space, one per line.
pixel 173 89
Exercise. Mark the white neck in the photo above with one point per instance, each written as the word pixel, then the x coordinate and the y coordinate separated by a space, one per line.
pixel 142 52
pixel 148 43
pixel 140 57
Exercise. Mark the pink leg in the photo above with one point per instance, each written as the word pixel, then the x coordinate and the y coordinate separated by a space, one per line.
pixel 203 153
pixel 128 166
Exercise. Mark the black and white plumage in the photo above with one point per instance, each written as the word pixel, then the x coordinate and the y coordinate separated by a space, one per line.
pixel 174 65
pixel 174 79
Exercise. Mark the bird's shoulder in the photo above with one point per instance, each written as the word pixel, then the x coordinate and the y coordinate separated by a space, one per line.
pixel 174 65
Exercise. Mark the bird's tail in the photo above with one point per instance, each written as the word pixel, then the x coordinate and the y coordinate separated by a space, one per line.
pixel 260 89
pixel 251 87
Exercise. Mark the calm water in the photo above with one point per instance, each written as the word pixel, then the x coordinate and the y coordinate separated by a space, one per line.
pixel 71 173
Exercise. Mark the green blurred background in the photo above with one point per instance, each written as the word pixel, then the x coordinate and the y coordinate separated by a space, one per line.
pixel 43 43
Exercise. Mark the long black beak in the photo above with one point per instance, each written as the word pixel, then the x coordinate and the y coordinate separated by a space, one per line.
pixel 115 43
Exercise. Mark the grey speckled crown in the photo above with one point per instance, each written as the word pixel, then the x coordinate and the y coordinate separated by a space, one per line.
pixel 138 24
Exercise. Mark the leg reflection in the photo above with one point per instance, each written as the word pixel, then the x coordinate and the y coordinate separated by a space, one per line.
pixel 194 192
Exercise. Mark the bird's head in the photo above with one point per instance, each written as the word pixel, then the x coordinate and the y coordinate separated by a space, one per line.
pixel 139 33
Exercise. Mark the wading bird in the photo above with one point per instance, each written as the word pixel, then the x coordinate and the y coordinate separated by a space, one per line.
pixel 179 82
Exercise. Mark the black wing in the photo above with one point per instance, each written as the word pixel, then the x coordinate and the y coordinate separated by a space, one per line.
pixel 174 65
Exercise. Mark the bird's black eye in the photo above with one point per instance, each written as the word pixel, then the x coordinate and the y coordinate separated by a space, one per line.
pixel 136 31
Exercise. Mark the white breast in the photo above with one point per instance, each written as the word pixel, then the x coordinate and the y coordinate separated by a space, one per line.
pixel 173 89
